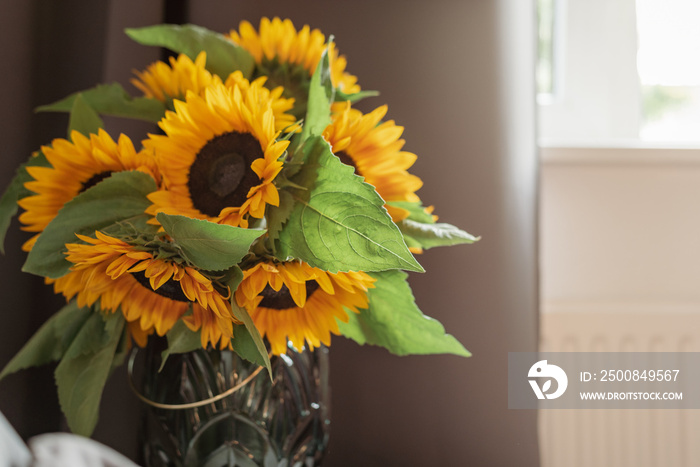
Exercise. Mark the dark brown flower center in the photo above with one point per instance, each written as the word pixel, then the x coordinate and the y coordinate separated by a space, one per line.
pixel 346 159
pixel 170 289
pixel 95 179
pixel 282 299
pixel 221 175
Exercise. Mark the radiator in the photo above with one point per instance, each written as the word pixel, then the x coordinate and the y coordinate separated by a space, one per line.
pixel 609 438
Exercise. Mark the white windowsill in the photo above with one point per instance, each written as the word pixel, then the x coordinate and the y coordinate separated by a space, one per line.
pixel 627 154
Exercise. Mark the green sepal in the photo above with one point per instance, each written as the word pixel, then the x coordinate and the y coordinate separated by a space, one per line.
pixel 394 321
pixel 84 369
pixel 51 341
pixel 223 56
pixel 83 118
pixel 116 198
pixel 342 225
pixel 321 92
pixel 242 315
pixel 111 99
pixel 427 236
pixel 416 211
pixel 296 182
pixel 340 96
pixel 208 245
pixel 16 191
pixel 181 339
pixel 130 230
pixel 277 216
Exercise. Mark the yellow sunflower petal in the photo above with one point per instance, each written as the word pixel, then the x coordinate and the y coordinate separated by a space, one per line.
pixel 162 81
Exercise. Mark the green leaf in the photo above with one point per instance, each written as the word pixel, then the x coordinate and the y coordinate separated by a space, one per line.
pixel 181 339
pixel 318 107
pixel 223 56
pixel 394 322
pixel 244 345
pixel 119 197
pixel 242 315
pixel 16 191
pixel 83 118
pixel 343 226
pixel 91 337
pixel 207 245
pixel 416 211
pixel 51 341
pixel 111 99
pixel 431 235
pixel 83 371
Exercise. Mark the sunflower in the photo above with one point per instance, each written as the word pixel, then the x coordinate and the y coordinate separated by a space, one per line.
pixel 374 150
pixel 75 167
pixel 153 292
pixel 219 155
pixel 167 82
pixel 295 301
pixel 289 57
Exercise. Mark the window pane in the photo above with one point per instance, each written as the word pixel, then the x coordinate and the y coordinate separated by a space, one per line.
pixel 668 62
pixel 545 56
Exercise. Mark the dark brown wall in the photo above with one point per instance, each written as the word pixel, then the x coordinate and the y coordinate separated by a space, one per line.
pixel 459 75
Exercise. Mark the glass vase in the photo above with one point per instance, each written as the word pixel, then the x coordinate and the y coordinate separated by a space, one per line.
pixel 212 408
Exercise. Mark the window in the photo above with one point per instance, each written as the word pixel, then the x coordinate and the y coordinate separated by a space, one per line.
pixel 619 71
pixel 668 62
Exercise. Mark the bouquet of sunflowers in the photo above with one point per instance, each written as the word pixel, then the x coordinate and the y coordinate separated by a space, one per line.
pixel 267 212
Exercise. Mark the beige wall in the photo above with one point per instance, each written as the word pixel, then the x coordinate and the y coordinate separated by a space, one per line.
pixel 620 227
pixel 620 256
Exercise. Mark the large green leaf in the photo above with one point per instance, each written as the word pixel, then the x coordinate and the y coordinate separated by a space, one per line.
pixel 51 341
pixel 92 336
pixel 242 315
pixel 428 236
pixel 83 118
pixel 16 191
pixel 119 197
pixel 343 225
pixel 207 245
pixel 111 99
pixel 394 322
pixel 83 371
pixel 223 56
pixel 318 107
